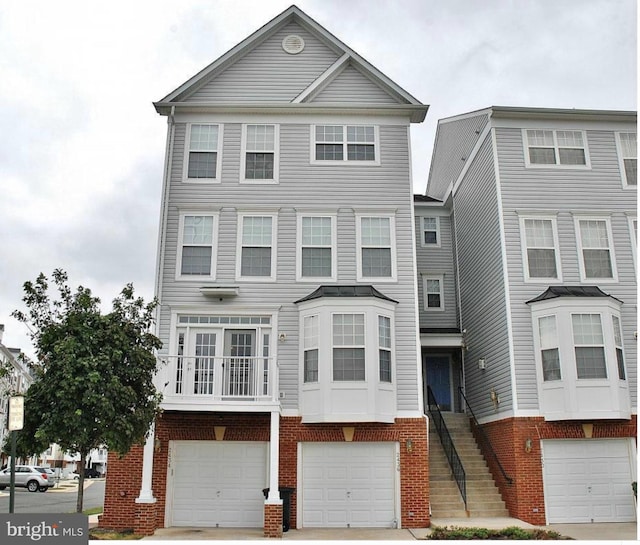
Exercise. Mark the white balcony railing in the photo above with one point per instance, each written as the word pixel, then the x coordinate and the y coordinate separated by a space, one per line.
pixel 223 378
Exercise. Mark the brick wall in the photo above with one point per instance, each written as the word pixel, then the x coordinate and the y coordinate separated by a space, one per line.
pixel 525 496
pixel 124 476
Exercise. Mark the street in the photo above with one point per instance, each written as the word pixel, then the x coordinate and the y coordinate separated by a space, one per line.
pixel 56 500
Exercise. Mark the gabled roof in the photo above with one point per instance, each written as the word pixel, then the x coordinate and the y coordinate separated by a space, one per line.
pixel 346 57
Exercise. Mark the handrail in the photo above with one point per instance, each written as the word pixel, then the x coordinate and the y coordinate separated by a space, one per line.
pixel 484 438
pixel 447 443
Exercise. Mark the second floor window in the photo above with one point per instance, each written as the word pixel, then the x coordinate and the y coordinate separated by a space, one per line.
pixel 596 252
pixel 432 286
pixel 384 348
pixel 348 347
pixel 549 351
pixel 540 248
pixel 628 153
pixel 588 343
pixel 376 248
pixel 430 231
pixel 352 143
pixel 261 153
pixel 555 147
pixel 256 246
pixel 310 348
pixel 202 157
pixel 196 251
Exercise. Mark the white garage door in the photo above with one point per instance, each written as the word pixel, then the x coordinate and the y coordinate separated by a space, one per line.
pixel 217 483
pixel 588 480
pixel 348 485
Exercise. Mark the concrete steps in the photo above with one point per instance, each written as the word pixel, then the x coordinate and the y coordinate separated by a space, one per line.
pixel 483 497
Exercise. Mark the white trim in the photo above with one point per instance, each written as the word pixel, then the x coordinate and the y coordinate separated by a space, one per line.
pixel 218 151
pixel 425 302
pixel 621 158
pixel 334 247
pixel 325 78
pixel 556 147
pixel 274 249
pixel 275 151
pixel 633 235
pixel 455 184
pixel 359 215
pixel 345 144
pixel 250 115
pixel 180 245
pixel 438 242
pixel 525 254
pixel 612 258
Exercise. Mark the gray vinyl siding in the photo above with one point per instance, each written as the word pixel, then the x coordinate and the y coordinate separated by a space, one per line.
pixel 563 192
pixel 352 86
pixel 437 261
pixel 344 190
pixel 483 293
pixel 267 73
pixel 454 142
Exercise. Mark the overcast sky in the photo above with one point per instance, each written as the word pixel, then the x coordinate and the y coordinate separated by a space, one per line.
pixel 82 148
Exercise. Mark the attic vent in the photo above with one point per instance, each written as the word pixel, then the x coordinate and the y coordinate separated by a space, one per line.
pixel 293 44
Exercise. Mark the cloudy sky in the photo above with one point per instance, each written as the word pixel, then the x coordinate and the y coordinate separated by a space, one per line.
pixel 82 149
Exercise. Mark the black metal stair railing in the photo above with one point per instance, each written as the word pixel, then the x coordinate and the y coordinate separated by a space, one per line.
pixel 447 443
pixel 486 446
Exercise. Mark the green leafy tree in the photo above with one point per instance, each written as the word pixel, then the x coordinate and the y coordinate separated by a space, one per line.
pixel 95 371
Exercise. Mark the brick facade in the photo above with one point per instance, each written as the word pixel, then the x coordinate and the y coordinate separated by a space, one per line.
pixel 125 474
pixel 525 496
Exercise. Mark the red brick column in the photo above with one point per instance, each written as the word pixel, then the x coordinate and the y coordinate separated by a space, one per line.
pixel 145 522
pixel 121 489
pixel 273 520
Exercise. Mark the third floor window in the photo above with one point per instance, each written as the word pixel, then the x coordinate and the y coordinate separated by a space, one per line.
pixel 556 148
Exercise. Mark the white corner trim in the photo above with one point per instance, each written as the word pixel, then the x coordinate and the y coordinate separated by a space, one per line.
pixel 324 79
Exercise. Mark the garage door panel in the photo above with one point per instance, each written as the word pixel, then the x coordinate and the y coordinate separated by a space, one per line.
pixel 348 484
pixel 588 481
pixel 218 483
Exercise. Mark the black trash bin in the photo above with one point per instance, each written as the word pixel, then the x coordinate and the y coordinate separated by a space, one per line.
pixel 285 495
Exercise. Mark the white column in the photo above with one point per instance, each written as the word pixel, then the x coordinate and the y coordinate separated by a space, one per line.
pixel 274 458
pixel 146 494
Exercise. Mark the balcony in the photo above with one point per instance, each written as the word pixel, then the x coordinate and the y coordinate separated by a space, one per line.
pixel 219 383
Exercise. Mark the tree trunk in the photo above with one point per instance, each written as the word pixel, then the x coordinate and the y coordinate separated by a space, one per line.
pixel 83 457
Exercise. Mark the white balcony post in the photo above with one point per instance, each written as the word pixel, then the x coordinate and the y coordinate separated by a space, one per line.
pixel 146 493
pixel 274 458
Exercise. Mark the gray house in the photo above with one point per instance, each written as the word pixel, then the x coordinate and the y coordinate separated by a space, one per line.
pixel 287 280
pixel 541 207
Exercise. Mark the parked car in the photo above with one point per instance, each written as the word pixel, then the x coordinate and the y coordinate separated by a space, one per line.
pixel 33 478
pixel 91 473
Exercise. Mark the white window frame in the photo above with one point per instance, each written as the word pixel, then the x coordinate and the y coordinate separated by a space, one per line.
pixel 310 343
pixel 423 230
pixel 334 248
pixel 612 257
pixel 275 151
pixel 359 247
pixel 525 247
pixel 556 148
pixel 240 246
pixel 366 350
pixel 218 151
pixel 633 235
pixel 345 160
pixel 621 158
pixel 384 348
pixel 180 244
pixel 425 294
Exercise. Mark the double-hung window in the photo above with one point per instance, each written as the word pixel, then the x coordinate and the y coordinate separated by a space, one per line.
pixel 376 248
pixel 588 341
pixel 556 148
pixel 260 151
pixel 384 348
pixel 310 346
pixel 196 252
pixel 595 249
pixel 317 245
pixel 257 247
pixel 540 248
pixel 627 143
pixel 617 337
pixel 549 348
pixel 430 231
pixel 433 292
pixel 348 347
pixel 203 151
pixel 345 143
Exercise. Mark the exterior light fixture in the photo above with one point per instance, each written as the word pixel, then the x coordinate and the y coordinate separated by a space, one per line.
pixel 409 445
pixel 528 444
pixel 482 364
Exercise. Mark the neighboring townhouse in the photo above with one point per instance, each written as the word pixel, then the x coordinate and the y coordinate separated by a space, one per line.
pixel 287 287
pixel 16 381
pixel 543 210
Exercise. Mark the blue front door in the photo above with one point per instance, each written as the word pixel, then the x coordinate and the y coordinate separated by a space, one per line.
pixel 439 378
